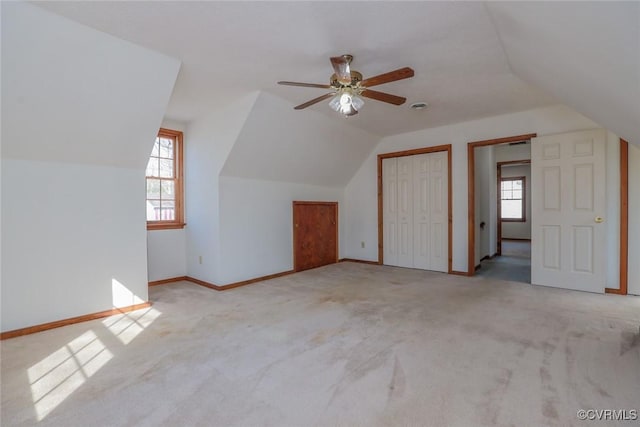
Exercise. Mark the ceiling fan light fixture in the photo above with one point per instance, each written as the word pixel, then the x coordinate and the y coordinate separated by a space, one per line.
pixel 346 102
pixel 348 87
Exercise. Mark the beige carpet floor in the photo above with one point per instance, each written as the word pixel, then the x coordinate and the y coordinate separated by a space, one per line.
pixel 343 345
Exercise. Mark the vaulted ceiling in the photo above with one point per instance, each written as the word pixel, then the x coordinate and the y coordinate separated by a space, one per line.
pixel 471 59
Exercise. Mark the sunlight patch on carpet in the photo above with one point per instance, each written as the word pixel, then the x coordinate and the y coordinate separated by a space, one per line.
pixel 58 375
pixel 127 326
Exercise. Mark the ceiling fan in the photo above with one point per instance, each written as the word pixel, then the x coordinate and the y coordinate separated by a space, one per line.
pixel 348 88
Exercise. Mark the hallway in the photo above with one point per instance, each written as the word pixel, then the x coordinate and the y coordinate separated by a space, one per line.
pixel 514 264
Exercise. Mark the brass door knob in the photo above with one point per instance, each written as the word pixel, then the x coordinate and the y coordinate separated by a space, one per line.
pixel 599 219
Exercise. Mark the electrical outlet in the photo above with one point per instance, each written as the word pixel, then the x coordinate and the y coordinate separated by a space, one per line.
pixel 200 259
pixel 362 244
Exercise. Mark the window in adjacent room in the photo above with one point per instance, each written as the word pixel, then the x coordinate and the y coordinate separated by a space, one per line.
pixel 512 196
pixel 165 204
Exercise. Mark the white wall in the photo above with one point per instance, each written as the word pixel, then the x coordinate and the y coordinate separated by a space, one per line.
pixel 506 152
pixel 210 141
pixel 361 192
pixel 166 254
pixel 69 231
pixel 519 230
pixel 484 188
pixel 166 249
pixel 278 143
pixel 80 110
pixel 634 220
pixel 239 214
pixel 257 224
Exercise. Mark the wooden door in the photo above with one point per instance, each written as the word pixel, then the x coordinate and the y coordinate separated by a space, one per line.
pixel 568 209
pixel 315 234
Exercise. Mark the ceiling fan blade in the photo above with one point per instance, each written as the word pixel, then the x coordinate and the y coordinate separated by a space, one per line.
pixel 384 97
pixel 304 84
pixel 392 76
pixel 341 67
pixel 315 101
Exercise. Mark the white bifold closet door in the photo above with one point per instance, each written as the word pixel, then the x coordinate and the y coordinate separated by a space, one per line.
pixel 415 211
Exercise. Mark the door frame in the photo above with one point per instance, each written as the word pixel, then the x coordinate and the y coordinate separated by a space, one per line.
pixel 413 152
pixel 471 182
pixel 498 199
pixel 624 207
pixel 295 234
pixel 624 221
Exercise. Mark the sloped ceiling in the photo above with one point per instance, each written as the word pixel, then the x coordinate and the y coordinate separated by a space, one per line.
pixel 277 144
pixel 586 53
pixel 95 99
pixel 472 59
pixel 229 49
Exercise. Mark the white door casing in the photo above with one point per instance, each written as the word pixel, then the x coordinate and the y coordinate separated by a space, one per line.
pixel 568 204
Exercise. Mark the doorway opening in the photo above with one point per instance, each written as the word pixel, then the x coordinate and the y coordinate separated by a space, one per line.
pixel 513 232
pixel 499 221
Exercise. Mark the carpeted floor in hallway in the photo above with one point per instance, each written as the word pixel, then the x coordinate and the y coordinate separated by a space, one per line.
pixel 343 345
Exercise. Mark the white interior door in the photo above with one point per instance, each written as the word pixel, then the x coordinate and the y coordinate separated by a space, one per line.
pixel 390 210
pixel 405 212
pixel 568 207
pixel 438 212
pixel 415 211
pixel 421 214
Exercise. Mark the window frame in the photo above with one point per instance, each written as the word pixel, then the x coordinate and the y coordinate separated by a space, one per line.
pixel 524 198
pixel 178 221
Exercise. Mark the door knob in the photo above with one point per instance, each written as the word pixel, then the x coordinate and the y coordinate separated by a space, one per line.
pixel 599 219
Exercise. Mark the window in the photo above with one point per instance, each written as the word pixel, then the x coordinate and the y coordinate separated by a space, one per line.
pixel 164 182
pixel 512 196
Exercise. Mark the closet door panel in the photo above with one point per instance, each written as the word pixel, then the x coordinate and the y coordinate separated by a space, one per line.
pixel 390 210
pixel 438 212
pixel 405 212
pixel 421 214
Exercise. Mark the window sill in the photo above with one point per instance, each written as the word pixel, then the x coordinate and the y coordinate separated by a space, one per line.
pixel 513 220
pixel 165 226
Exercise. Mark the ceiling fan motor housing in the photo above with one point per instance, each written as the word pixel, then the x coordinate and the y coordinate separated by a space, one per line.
pixel 356 78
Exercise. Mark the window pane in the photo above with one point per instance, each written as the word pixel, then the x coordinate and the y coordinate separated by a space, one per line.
pixel 168 210
pixel 168 190
pixel 153 188
pixel 517 184
pixel 166 147
pixel 156 148
pixel 511 209
pixel 517 194
pixel 166 168
pixel 152 167
pixel 153 210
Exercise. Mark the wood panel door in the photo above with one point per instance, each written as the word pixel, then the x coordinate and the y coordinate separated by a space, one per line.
pixel 315 234
pixel 568 209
